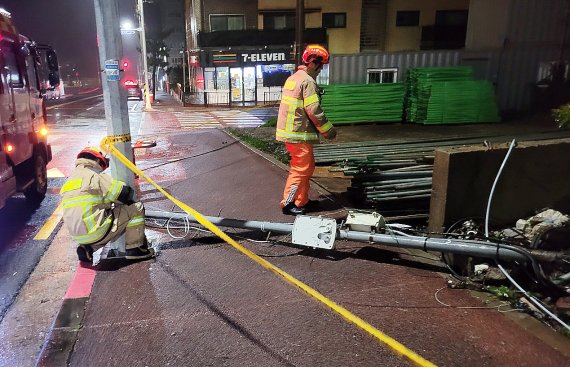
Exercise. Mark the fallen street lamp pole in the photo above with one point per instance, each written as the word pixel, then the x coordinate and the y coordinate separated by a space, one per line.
pixel 319 232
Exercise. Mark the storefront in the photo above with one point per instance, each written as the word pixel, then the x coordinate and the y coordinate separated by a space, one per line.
pixel 244 76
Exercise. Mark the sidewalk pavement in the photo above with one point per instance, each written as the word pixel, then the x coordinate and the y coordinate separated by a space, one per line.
pixel 200 302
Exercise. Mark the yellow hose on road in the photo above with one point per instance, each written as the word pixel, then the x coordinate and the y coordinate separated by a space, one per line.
pixel 107 145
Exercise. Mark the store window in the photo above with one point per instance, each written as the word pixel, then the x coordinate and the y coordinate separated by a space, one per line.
pixel 408 18
pixel 387 75
pixel 279 20
pixel 232 22
pixel 334 20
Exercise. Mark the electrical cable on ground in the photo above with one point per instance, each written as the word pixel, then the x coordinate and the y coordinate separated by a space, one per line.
pixel 533 299
pixel 188 157
pixel 187 227
pixel 467 307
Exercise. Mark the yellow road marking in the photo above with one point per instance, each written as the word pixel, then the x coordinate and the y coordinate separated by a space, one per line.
pixel 54 172
pixel 65 104
pixel 50 224
pixel 108 147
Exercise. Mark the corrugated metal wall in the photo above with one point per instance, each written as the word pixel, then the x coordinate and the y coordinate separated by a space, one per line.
pixel 351 69
pixel 534 35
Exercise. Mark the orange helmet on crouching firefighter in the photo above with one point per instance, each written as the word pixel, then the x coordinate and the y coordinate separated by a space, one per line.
pixel 316 53
pixel 96 155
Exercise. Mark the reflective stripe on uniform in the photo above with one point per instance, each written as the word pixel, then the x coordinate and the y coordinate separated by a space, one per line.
pixel 115 190
pixel 325 127
pixel 293 104
pixel 88 218
pixel 297 135
pixel 290 84
pixel 71 185
pixel 94 236
pixel 86 202
pixel 291 195
pixel 82 200
pixel 310 100
pixel 136 221
pixel 289 100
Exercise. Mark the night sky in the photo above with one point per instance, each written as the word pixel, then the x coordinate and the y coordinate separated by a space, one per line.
pixel 67 25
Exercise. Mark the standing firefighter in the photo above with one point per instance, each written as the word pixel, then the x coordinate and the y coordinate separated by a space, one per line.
pixel 98 209
pixel 299 123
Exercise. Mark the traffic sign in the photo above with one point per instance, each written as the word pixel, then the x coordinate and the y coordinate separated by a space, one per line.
pixel 112 70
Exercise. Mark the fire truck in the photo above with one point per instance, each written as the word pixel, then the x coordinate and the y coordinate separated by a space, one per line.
pixel 27 70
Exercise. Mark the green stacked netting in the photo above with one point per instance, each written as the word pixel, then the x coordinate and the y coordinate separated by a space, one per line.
pixel 359 103
pixel 448 95
pixel 462 102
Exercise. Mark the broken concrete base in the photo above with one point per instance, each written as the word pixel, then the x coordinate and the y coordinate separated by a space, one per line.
pixel 536 176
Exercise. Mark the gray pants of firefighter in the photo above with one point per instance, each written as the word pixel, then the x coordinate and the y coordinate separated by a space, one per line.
pixel 129 219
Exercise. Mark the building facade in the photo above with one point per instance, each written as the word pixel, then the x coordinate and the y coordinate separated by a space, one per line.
pixel 165 21
pixel 241 51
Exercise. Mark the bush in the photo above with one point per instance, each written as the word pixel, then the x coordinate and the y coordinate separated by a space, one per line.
pixel 562 115
pixel 272 122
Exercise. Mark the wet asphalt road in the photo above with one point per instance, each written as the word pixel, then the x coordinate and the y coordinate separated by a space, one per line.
pixel 73 122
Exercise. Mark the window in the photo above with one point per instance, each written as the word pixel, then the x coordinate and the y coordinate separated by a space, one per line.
pixel 279 21
pixel 227 23
pixel 376 76
pixel 452 18
pixel 32 75
pixel 548 69
pixel 408 18
pixel 334 20
pixel 14 77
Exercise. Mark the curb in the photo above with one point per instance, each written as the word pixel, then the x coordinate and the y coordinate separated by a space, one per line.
pixel 60 340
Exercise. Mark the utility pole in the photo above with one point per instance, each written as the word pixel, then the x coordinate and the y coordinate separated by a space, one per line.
pixel 183 74
pixel 114 96
pixel 299 30
pixel 143 48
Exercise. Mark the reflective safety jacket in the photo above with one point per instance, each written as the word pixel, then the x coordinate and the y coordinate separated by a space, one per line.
pixel 88 195
pixel 301 118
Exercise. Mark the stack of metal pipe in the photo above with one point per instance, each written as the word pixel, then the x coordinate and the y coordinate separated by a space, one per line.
pixel 397 176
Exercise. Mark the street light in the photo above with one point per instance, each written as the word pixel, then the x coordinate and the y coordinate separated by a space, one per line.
pixel 127 28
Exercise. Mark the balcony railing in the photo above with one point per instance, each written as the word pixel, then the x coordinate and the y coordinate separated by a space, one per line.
pixel 254 37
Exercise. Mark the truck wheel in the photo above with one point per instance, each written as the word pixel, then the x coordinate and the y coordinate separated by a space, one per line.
pixel 36 192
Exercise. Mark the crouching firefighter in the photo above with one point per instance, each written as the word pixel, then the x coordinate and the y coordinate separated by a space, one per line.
pixel 97 209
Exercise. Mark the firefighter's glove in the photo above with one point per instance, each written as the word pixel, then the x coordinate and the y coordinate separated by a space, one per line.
pixel 126 196
pixel 331 134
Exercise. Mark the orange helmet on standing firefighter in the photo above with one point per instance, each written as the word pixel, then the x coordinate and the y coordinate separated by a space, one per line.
pixel 96 155
pixel 316 53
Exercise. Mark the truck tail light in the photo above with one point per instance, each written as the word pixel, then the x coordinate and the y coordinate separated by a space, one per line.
pixel 9 148
pixel 43 131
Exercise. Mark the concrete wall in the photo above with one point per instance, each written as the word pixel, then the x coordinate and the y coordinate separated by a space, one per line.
pixel 488 22
pixel 536 176
pixel 408 38
pixel 340 40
